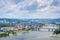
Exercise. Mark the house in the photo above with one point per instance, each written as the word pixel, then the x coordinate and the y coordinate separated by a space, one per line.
pixel 7 28
pixel 1 31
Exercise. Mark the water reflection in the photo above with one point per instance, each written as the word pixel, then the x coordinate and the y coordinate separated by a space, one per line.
pixel 32 35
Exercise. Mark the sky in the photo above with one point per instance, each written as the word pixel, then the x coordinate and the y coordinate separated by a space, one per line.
pixel 29 8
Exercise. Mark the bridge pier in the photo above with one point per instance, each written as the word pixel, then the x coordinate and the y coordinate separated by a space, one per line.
pixel 50 30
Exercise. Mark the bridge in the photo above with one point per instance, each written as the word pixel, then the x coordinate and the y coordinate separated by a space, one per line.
pixel 48 27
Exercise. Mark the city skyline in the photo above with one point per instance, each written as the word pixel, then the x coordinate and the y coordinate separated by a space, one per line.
pixel 29 9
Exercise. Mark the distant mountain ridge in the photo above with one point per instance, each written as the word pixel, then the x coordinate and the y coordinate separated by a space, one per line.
pixel 31 20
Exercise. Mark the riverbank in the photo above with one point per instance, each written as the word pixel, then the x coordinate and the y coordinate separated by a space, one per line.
pixel 21 31
pixel 12 33
pixel 55 35
pixel 58 35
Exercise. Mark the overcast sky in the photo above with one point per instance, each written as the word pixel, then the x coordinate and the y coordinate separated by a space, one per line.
pixel 29 8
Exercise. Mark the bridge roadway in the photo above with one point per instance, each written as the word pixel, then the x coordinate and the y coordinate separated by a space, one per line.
pixel 49 28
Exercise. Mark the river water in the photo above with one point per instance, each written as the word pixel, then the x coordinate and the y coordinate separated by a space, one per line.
pixel 32 35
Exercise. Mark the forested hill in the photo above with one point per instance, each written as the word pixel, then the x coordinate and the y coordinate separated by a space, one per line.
pixel 30 20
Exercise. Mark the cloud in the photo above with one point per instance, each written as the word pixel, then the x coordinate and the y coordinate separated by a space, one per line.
pixel 17 1
pixel 30 8
pixel 55 3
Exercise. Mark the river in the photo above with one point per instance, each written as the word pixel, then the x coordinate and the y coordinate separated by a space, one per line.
pixel 32 35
